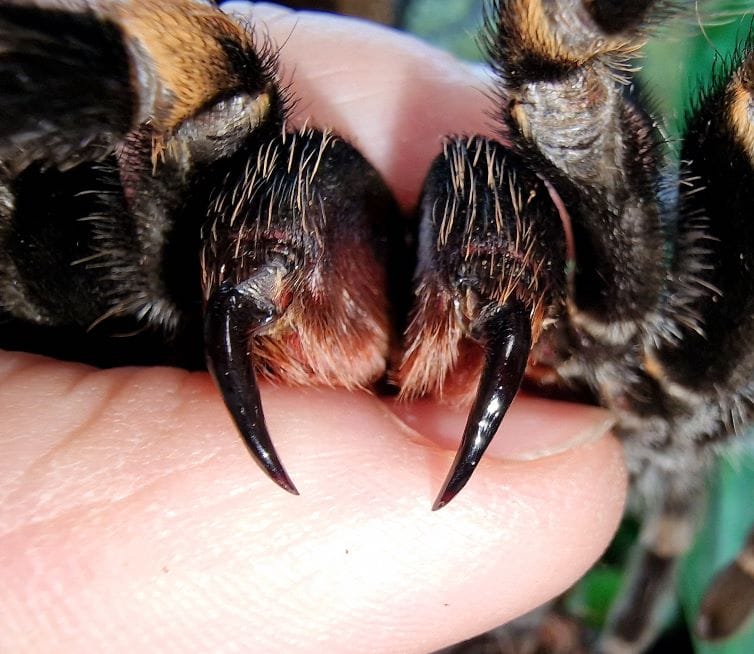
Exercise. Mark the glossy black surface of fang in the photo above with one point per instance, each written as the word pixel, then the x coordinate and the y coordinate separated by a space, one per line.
pixel 506 337
pixel 233 316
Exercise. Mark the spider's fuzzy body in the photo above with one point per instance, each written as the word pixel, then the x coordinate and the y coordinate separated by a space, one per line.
pixel 171 162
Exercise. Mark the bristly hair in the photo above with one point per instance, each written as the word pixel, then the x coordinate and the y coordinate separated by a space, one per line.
pixel 275 206
pixel 268 53
pixel 490 235
pixel 277 177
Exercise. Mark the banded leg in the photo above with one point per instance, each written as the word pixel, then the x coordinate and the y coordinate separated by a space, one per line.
pixel 707 360
pixel 566 107
pixel 702 366
pixel 710 363
pixel 600 152
pixel 668 530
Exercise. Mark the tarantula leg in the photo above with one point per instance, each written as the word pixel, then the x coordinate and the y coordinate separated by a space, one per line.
pixel 706 363
pixel 729 600
pixel 708 359
pixel 234 315
pixel 667 533
pixel 561 67
pixel 92 72
pixel 105 131
pixel 491 269
pixel 505 335
pixel 73 70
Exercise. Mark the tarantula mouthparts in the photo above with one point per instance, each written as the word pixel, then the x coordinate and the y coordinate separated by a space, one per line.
pixel 491 267
pixel 293 261
pixel 150 188
pixel 506 336
pixel 233 315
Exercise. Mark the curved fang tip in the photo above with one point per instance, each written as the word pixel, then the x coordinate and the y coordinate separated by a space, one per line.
pixel 506 337
pixel 233 315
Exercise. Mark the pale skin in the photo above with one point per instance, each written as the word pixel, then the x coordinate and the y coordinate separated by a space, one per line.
pixel 132 518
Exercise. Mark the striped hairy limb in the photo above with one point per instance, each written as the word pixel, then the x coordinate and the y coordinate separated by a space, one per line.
pixel 709 366
pixel 667 533
pixel 562 68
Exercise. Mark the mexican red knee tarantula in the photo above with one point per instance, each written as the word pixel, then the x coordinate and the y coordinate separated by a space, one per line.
pixel 149 188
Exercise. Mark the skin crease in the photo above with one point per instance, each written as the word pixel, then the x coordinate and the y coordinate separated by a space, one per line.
pixel 132 519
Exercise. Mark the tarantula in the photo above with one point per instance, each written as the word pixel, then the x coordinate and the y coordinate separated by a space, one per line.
pixel 164 156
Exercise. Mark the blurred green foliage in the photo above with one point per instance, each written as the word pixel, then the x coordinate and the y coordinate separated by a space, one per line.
pixel 680 59
pixel 450 24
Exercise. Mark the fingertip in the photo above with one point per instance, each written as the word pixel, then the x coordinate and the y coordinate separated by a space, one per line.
pixel 520 533
pixel 533 428
pixel 150 489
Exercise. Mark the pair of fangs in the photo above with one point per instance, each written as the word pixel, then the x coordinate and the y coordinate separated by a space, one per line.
pixel 505 334
pixel 487 277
